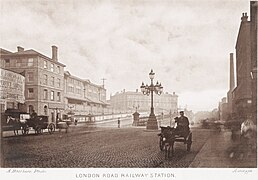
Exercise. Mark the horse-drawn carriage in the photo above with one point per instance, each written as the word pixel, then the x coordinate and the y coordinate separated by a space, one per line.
pixel 170 135
pixel 14 120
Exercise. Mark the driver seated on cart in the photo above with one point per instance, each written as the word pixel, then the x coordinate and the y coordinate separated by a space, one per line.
pixel 182 128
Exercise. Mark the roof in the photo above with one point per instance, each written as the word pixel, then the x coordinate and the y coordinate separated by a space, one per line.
pixel 33 52
pixel 4 51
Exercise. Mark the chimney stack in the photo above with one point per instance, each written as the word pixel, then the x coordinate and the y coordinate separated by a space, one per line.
pixel 20 49
pixel 244 17
pixel 232 74
pixel 54 53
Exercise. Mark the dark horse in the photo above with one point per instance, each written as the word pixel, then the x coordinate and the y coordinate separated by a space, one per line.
pixel 167 137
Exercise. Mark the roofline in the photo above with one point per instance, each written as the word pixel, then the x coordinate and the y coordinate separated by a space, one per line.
pixel 37 54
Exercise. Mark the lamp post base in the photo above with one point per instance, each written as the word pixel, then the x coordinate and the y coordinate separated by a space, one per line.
pixel 152 122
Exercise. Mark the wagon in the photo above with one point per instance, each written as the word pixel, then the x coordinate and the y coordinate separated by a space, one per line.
pixel 38 123
pixel 169 136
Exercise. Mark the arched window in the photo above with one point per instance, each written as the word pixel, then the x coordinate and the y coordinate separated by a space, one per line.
pixel 31 108
pixel 45 110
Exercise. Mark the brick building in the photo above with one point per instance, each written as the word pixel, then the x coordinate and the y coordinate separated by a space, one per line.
pixel 245 93
pixel 44 80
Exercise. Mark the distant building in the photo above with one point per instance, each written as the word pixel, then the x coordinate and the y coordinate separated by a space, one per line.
pixel 83 98
pixel 130 101
pixel 223 109
pixel 12 87
pixel 44 80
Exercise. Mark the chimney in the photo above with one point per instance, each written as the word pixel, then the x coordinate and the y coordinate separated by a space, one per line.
pixel 232 74
pixel 54 53
pixel 20 49
pixel 244 17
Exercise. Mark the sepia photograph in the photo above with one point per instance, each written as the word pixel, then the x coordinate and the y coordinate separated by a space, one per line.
pixel 128 89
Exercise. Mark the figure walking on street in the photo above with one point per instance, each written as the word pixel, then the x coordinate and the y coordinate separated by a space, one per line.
pixel 118 122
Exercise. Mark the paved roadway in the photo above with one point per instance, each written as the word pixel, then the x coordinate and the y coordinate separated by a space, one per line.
pixel 97 147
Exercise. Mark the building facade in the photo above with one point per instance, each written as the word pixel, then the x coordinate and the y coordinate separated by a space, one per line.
pixel 83 98
pixel 12 87
pixel 132 101
pixel 254 49
pixel 245 94
pixel 44 80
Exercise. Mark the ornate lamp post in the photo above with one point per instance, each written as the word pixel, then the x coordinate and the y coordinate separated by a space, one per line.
pixel 152 122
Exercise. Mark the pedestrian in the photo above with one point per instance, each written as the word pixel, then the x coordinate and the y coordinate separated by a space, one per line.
pixel 118 122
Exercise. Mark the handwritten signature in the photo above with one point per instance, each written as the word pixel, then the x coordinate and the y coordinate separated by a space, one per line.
pixel 244 171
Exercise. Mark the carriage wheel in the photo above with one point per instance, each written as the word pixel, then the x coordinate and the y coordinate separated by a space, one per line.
pixel 37 130
pixel 25 130
pixel 161 144
pixel 189 143
pixel 51 128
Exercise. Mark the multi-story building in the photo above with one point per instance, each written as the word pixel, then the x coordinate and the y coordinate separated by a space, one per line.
pixel 11 90
pixel 130 101
pixel 254 49
pixel 245 94
pixel 83 98
pixel 44 80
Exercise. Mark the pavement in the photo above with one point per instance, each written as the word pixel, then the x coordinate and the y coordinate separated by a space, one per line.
pixel 221 152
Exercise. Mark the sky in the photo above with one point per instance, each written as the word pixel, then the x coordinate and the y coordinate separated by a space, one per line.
pixel 186 42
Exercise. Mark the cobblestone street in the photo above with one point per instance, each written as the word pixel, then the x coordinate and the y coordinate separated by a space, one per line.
pixel 97 147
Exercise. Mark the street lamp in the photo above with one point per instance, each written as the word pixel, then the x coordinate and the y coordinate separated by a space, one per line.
pixel 147 90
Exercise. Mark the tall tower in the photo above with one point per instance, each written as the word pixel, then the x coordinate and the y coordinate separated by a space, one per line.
pixel 231 85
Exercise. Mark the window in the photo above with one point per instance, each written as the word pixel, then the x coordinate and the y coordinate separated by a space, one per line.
pixel 45 94
pixel 52 96
pixel 7 62
pixel 45 79
pixel 58 96
pixel 45 110
pixel 30 93
pixel 30 77
pixel 31 109
pixel 18 63
pixel 45 64
pixel 58 83
pixel 30 62
pixel 52 81
pixel 52 67
pixel 58 69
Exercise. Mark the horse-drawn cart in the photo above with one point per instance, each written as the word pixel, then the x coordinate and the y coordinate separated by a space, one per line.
pixel 38 123
pixel 170 135
pixel 15 120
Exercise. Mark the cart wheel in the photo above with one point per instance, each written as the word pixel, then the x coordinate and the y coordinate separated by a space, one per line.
pixel 25 130
pixel 51 128
pixel 161 144
pixel 189 143
pixel 37 130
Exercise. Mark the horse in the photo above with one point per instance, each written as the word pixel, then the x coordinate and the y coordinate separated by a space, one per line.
pixel 15 123
pixel 168 139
